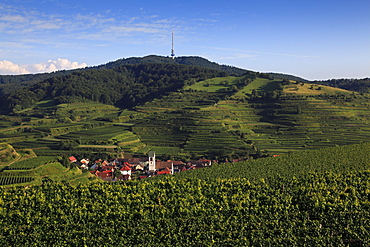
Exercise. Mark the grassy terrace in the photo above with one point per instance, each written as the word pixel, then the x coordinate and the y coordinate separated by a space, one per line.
pixel 45 125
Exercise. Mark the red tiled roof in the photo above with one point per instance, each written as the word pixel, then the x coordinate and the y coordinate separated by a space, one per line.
pixel 106 168
pixel 133 160
pixel 125 168
pixel 72 159
pixel 104 174
pixel 175 162
pixel 162 164
pixel 164 172
pixel 127 164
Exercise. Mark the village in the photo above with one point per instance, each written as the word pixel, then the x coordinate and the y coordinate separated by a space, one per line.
pixel 137 168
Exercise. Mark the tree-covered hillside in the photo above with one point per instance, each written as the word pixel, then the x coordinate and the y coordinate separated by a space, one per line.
pixel 10 83
pixel 280 76
pixel 191 60
pixel 358 85
pixel 124 86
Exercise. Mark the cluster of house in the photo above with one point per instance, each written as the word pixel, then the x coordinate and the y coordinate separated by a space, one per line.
pixel 137 168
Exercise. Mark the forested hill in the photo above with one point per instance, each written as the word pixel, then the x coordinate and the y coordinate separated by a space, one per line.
pixel 358 85
pixel 123 86
pixel 280 76
pixel 189 60
pixel 14 82
pixel 11 82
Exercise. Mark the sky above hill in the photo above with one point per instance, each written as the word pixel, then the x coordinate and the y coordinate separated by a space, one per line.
pixel 316 39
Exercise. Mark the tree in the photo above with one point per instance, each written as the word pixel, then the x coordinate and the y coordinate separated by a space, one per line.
pixel 64 160
pixel 254 94
pixel 67 145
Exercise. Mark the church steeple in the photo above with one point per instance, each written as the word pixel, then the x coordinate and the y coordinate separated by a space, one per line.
pixel 151 155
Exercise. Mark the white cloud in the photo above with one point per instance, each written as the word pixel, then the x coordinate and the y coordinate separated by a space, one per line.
pixel 10 68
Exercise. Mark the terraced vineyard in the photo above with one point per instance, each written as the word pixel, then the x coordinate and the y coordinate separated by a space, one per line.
pixel 32 163
pixel 37 170
pixel 97 135
pixel 312 121
pixel 46 125
pixel 223 118
pixel 14 178
pixel 181 124
pixel 235 117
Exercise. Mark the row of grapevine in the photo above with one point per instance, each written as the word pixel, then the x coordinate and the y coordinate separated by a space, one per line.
pixel 32 163
pixel 7 180
pixel 333 159
pixel 319 209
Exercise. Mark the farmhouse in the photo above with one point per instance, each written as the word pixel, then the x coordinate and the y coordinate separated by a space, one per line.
pixel 126 171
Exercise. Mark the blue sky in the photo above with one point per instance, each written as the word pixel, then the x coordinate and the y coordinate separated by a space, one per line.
pixel 316 39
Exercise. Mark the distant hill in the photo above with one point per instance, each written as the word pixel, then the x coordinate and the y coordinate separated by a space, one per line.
pixel 124 86
pixel 124 83
pixel 191 60
pixel 10 83
pixel 130 81
pixel 280 76
pixel 358 85
pixel 13 83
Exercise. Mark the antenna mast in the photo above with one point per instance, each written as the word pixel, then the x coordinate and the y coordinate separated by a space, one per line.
pixel 172 50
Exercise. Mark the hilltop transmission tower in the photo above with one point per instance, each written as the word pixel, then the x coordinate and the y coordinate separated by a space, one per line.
pixel 172 50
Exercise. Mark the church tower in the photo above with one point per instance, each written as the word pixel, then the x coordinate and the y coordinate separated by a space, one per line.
pixel 151 155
